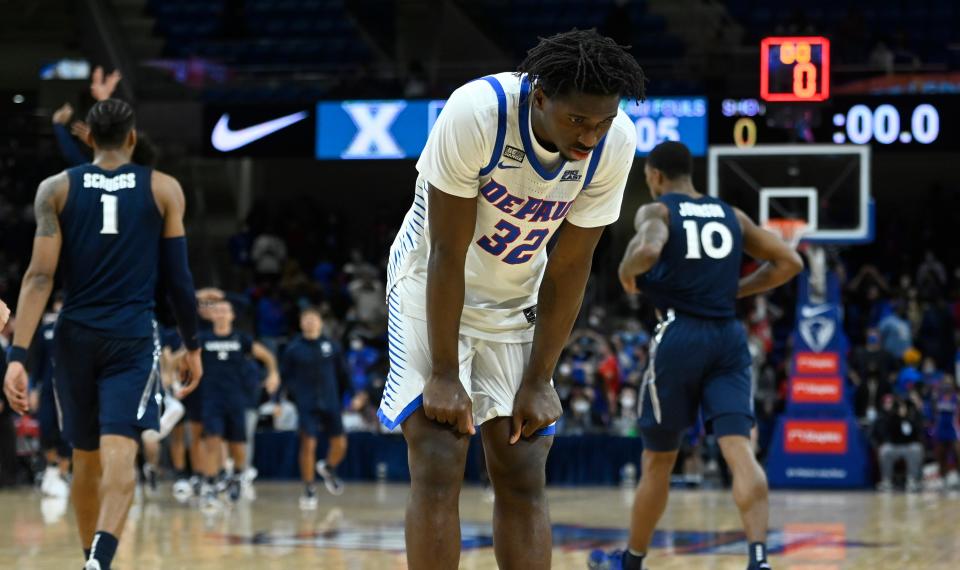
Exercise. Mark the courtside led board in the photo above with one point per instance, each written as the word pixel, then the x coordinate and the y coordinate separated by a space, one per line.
pixel 795 69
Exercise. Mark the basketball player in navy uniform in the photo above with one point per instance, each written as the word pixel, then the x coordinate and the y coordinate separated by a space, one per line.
pixel 56 451
pixel 113 227
pixel 478 312
pixel 225 396
pixel 315 373
pixel 687 255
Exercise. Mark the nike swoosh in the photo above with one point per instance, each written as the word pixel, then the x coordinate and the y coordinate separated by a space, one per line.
pixel 224 139
pixel 810 312
pixel 502 165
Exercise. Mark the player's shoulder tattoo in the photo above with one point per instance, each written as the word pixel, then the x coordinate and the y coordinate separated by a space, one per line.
pixel 45 205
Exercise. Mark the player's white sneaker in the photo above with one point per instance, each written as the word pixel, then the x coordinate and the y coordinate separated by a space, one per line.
pixel 952 480
pixel 247 478
pixel 53 484
pixel 309 501
pixel 53 509
pixel 196 484
pixel 210 502
pixel 150 480
pixel 182 490
pixel 234 488
pixel 330 479
pixel 92 565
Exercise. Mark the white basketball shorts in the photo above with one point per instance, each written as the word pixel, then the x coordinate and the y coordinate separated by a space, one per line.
pixel 489 371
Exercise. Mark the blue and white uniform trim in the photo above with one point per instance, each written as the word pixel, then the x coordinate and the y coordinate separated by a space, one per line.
pixel 501 124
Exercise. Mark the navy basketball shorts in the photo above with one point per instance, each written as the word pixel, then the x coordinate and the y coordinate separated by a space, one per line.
pixel 224 419
pixel 105 386
pixel 193 403
pixel 313 422
pixel 698 366
pixel 49 418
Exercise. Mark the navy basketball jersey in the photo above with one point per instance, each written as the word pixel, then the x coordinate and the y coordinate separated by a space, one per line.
pixel 699 268
pixel 110 255
pixel 225 369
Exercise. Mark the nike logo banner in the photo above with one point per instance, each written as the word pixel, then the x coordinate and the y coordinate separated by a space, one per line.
pixel 226 139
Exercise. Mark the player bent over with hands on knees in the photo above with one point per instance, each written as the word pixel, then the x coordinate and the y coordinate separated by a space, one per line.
pixel 478 312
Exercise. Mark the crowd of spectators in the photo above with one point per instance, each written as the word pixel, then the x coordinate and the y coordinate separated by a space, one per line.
pixel 903 368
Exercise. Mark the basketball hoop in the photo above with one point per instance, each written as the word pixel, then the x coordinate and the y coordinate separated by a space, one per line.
pixel 790 230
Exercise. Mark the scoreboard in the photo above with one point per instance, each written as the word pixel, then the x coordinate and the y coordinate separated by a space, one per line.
pixel 901 122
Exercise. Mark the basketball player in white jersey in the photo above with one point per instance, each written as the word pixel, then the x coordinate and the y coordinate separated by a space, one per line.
pixel 479 312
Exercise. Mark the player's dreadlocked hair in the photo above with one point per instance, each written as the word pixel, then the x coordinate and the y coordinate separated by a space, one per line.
pixel 586 62
pixel 110 121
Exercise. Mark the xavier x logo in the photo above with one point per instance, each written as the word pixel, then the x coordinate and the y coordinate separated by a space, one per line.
pixel 373 122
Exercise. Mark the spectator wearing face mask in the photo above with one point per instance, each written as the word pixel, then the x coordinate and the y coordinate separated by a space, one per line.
pixel 579 419
pixel 360 359
pixel 625 421
pixel 898 434
pixel 932 376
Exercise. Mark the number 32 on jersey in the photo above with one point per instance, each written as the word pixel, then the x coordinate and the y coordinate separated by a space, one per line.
pixel 508 233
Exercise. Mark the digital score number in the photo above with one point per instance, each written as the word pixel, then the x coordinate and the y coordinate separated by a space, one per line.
pixel 900 123
pixel 795 69
pixel 887 124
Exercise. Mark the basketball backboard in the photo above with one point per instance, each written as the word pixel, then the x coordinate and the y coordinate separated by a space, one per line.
pixel 826 186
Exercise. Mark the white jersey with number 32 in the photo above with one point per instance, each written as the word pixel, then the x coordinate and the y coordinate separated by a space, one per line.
pixel 482 147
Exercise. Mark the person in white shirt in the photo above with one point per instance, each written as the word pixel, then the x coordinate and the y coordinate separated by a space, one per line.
pixel 478 313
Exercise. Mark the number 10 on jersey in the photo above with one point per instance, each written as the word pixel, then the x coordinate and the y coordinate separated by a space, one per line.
pixel 704 240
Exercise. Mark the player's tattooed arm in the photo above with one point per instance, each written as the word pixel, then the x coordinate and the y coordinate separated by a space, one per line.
pixel 45 205
pixel 781 262
pixel 643 251
pixel 38 279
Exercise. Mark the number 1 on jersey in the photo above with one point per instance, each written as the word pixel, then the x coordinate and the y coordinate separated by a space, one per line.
pixel 698 239
pixel 109 214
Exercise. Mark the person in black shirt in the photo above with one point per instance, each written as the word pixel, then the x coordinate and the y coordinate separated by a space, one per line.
pixel 899 435
pixel 314 373
pixel 872 360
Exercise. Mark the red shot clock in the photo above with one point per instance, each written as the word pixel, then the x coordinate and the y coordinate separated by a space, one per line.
pixel 795 68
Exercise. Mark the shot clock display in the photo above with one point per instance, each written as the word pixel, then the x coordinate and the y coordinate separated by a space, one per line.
pixel 903 123
pixel 887 124
pixel 795 68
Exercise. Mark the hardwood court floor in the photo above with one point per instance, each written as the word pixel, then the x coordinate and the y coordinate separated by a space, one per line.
pixel 363 529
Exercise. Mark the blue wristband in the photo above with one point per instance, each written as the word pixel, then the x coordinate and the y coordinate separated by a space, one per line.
pixel 17 354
